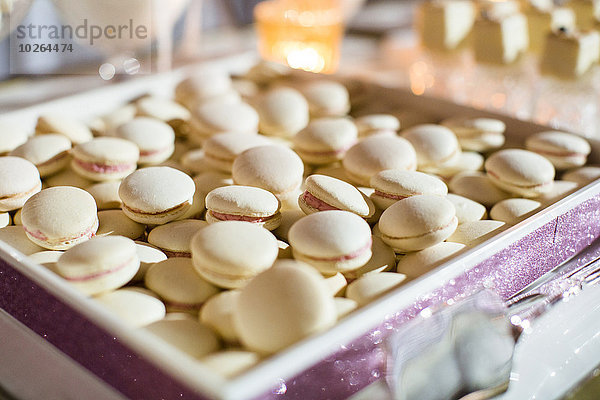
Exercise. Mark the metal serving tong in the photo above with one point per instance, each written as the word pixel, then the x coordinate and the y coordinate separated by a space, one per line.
pixel 465 351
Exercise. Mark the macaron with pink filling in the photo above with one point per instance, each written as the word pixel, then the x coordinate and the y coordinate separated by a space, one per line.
pixel 417 222
pixel 331 241
pixel 19 180
pixel 243 203
pixel 392 185
pixel 154 138
pixel 564 150
pixel 324 193
pixel 156 195
pixel 60 217
pixel 99 265
pixel 325 140
pixel 105 158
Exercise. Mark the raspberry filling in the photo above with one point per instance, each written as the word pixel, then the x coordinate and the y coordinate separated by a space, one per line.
pixel 316 203
pixel 390 196
pixel 349 256
pixel 103 168
pixel 233 217
pixel 89 233
pixel 99 273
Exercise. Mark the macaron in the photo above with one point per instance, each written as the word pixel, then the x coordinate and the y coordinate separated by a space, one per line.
pixel 174 238
pixel 47 259
pixel 105 158
pixel 283 112
pixel 194 162
pixel 323 193
pixel 11 136
pixel 115 118
pixel 383 259
pixel 156 195
pixel 76 131
pixel 155 139
pixel 221 150
pixel 148 255
pixel 520 172
pixel 393 184
pixel 583 175
pixel 186 335
pixel 217 313
pixel 564 150
pixel 274 168
pixel 436 146
pixel 106 194
pixel 230 363
pixel 468 161
pixel 559 190
pixel 474 232
pixel 417 222
pixel 162 109
pixel 178 285
pixel 377 153
pixel 331 241
pixel 59 218
pixel 477 134
pixel 336 283
pixel 325 140
pixel 268 319
pixel 243 203
pixel 15 237
pixel 210 180
pixel 370 124
pixel 511 210
pixel 203 85
pixel 133 307
pixel 212 118
pixel 230 254
pixel 413 265
pixel 99 265
pixel 19 180
pixel 67 177
pixel 370 287
pixel 115 222
pixel 478 187
pixel 49 153
pixel 288 218
pixel 5 219
pixel 344 306
pixel 266 72
pixel 466 209
pixel 326 98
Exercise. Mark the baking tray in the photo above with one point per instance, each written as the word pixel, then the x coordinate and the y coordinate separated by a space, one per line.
pixel 63 345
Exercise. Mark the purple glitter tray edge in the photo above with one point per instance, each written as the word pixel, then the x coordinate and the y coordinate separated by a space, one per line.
pixel 350 369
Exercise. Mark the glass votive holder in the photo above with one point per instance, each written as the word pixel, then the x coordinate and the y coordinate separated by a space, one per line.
pixel 304 34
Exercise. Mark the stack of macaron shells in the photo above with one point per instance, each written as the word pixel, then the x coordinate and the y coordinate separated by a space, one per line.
pixel 300 198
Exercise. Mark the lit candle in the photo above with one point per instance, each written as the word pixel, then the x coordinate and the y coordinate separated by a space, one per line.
pixel 304 34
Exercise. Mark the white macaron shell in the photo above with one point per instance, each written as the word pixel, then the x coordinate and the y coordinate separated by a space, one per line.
pixel 133 307
pixel 162 109
pixel 176 236
pixel 218 117
pixel 325 140
pixel 154 138
pixel 413 265
pixel 326 98
pixel 474 232
pixel 283 305
pixel 75 130
pixel 435 145
pixel 274 168
pixel 186 335
pixel 49 152
pixel 466 209
pixel 511 210
pixel 156 189
pixel 221 150
pixel 283 112
pixel 377 153
pixel 520 171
